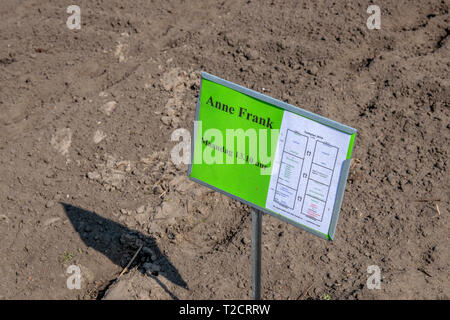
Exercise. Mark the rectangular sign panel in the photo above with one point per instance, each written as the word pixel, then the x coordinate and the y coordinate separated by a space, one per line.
pixel 277 158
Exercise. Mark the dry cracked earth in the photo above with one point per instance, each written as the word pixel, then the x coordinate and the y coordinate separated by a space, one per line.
pixel 86 118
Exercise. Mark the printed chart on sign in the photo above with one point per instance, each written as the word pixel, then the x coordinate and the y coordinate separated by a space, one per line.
pixel 306 170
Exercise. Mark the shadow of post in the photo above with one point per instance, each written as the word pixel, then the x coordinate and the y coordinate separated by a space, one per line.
pixel 114 240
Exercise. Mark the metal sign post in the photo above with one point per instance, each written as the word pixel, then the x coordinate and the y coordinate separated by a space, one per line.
pixel 256 253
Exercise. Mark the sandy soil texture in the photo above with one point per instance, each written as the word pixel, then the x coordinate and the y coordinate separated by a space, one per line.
pixel 86 118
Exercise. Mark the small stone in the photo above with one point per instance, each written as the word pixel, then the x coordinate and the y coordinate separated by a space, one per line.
pixel 166 120
pixel 148 251
pixel 98 136
pixel 140 210
pixel 128 239
pixel 130 223
pixel 147 266
pixel 93 175
pixel 4 218
pixel 50 204
pixel 51 221
pixel 109 107
pixel 62 140
pixel 151 268
pixel 142 218
pixel 252 54
pixel 313 70
pixel 157 189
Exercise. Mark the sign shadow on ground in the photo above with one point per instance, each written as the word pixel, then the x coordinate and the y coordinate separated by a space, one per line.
pixel 107 237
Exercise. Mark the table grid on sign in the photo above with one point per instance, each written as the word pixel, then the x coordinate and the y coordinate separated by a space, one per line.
pixel 291 167
pixel 319 180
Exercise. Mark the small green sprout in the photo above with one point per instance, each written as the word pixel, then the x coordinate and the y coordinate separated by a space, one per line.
pixel 67 256
pixel 326 296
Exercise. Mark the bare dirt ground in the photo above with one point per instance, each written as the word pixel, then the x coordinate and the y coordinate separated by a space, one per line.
pixel 86 118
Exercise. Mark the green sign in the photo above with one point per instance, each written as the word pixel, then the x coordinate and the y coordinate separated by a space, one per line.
pixel 277 158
